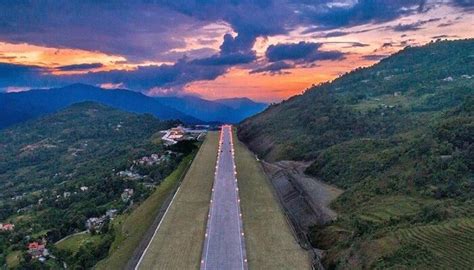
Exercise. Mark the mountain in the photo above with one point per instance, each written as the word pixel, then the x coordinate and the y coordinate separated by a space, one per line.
pixel 59 170
pixel 398 137
pixel 244 106
pixel 18 107
pixel 222 110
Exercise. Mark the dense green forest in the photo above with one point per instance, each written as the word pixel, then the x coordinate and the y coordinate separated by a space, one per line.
pixel 58 171
pixel 398 137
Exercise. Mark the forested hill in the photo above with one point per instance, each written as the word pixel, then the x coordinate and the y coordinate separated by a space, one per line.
pixel 399 138
pixel 397 94
pixel 59 170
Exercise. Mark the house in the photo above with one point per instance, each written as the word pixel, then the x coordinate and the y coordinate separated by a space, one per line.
pixel 6 227
pixel 66 194
pixel 127 194
pixel 95 223
pixel 173 135
pixel 111 213
pixel 84 188
pixel 37 250
pixel 130 175
pixel 151 160
pixel 179 130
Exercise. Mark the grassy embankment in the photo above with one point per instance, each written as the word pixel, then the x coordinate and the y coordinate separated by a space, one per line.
pixel 74 242
pixel 131 228
pixel 269 241
pixel 178 242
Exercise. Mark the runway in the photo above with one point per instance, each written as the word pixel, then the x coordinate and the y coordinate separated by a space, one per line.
pixel 224 244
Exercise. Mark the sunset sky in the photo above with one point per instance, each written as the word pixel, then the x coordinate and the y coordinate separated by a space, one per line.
pixel 267 50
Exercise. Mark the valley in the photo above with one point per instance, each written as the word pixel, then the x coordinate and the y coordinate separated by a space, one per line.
pixel 237 135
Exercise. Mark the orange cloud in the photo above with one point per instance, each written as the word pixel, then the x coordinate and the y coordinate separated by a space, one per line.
pixel 52 58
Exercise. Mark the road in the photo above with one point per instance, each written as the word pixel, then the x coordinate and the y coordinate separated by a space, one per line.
pixel 224 245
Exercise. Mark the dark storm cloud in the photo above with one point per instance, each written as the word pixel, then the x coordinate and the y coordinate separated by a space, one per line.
pixel 150 30
pixel 80 67
pixel 350 44
pixel 226 59
pixel 146 77
pixel 464 3
pixel 413 26
pixel 291 51
pixel 138 30
pixel 24 75
pixel 336 34
pixel 357 45
pixel 249 18
pixel 301 52
pixel 241 43
pixel 444 36
pixel 362 11
pixel 11 73
pixel 273 68
pixel 374 57
pixel 141 79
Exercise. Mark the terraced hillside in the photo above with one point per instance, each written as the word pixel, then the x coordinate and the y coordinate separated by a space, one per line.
pixel 398 137
pixel 446 246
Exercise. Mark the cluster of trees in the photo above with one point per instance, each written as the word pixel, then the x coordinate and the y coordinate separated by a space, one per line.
pixel 45 162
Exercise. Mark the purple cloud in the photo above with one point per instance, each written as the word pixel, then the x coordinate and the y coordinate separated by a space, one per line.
pixel 413 26
pixel 273 68
pixel 300 52
pixel 152 31
pixel 291 51
pixel 80 67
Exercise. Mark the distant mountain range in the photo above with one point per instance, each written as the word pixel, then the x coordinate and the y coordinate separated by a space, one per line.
pixel 231 110
pixel 18 107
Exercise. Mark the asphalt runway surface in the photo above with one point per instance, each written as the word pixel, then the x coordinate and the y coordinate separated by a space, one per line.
pixel 224 245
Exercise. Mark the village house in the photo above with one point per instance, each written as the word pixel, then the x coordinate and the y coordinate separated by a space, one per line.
pixel 6 227
pixel 176 133
pixel 111 213
pixel 127 194
pixel 84 188
pixel 129 174
pixel 95 223
pixel 38 250
pixel 151 160
pixel 173 135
